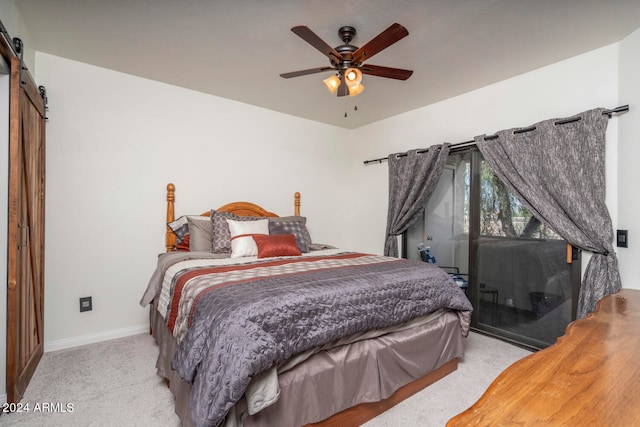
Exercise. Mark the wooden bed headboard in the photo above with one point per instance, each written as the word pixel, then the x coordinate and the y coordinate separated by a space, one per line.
pixel 238 208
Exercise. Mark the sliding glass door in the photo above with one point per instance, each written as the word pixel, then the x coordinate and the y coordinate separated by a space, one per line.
pixel 522 277
pixel 443 223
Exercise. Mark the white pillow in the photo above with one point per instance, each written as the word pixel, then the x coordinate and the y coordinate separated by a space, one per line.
pixel 242 244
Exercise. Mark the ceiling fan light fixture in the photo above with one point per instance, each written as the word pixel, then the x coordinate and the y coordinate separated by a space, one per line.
pixel 332 83
pixel 347 59
pixel 356 90
pixel 352 77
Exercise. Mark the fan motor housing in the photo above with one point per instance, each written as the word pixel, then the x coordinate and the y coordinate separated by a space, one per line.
pixel 346 33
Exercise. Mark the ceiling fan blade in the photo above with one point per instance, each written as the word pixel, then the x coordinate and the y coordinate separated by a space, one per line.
pixel 391 73
pixel 314 40
pixel 305 72
pixel 382 41
pixel 343 90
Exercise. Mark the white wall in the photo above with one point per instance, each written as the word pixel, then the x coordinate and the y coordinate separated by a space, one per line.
pixel 559 90
pixel 629 157
pixel 113 143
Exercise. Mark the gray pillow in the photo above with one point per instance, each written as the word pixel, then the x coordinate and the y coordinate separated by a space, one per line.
pixel 295 225
pixel 199 233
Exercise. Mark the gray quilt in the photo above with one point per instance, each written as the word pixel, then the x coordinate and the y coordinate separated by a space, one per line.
pixel 241 330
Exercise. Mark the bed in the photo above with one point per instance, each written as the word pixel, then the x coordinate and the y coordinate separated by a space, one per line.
pixel 271 328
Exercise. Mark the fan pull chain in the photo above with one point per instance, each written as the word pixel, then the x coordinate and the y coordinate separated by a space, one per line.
pixel 355 108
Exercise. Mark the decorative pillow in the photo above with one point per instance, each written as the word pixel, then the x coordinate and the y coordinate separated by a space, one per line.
pixel 183 245
pixel 276 245
pixel 199 233
pixel 295 225
pixel 180 228
pixel 242 243
pixel 220 236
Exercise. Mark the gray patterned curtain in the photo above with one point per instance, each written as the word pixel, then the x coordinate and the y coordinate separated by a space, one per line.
pixel 556 168
pixel 412 179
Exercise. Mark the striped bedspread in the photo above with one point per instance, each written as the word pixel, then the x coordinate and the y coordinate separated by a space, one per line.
pixel 235 318
pixel 177 300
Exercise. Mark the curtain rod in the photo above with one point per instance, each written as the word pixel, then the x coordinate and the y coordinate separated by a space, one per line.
pixel 458 145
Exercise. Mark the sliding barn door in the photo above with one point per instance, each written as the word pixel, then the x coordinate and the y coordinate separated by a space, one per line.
pixel 25 260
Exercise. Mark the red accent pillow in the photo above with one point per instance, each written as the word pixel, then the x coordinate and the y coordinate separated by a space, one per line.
pixel 276 245
pixel 184 245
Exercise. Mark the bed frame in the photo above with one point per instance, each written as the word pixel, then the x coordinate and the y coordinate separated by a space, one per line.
pixel 356 415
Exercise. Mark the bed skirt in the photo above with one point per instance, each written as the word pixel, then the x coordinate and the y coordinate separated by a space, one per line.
pixel 337 379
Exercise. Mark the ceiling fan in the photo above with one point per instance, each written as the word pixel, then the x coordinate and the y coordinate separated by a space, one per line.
pixel 348 60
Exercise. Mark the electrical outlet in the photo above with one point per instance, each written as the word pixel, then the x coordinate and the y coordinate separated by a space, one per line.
pixel 85 304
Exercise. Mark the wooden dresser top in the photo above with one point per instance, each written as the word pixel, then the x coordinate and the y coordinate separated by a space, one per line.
pixel 590 376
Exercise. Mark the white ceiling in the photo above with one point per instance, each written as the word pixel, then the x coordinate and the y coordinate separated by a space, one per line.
pixel 236 49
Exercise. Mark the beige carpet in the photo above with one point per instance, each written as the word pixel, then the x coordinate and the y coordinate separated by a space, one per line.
pixel 114 383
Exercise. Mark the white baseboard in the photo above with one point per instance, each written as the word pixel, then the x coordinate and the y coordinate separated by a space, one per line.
pixel 94 338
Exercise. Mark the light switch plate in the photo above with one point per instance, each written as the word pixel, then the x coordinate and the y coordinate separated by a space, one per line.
pixel 622 238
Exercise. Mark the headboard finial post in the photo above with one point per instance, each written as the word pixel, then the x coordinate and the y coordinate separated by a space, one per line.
pixel 170 238
pixel 296 204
